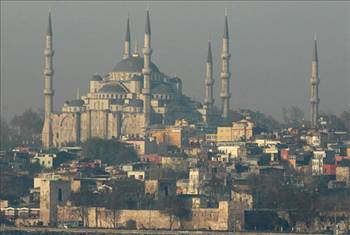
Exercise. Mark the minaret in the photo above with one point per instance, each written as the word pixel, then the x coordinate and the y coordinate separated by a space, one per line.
pixel 48 89
pixel 225 74
pixel 314 81
pixel 146 71
pixel 127 42
pixel 209 82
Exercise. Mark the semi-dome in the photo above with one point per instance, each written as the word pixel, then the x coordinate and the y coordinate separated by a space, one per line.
pixel 133 64
pixel 115 88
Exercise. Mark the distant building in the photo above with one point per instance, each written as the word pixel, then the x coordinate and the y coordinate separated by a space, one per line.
pixel 45 160
pixel 132 98
pixel 239 130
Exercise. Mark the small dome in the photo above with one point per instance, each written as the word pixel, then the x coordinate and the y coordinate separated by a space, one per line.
pixel 76 103
pixel 162 88
pixel 133 64
pixel 96 77
pixel 115 88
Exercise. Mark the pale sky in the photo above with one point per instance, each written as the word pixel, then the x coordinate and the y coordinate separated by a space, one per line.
pixel 271 49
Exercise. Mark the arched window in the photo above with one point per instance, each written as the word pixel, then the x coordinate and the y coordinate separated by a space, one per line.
pixel 60 195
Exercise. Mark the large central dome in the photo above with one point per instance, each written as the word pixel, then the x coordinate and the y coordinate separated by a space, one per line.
pixel 133 64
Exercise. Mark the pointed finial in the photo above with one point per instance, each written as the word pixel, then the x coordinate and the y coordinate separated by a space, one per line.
pixel 210 57
pixel 226 25
pixel 148 24
pixel 127 36
pixel 49 27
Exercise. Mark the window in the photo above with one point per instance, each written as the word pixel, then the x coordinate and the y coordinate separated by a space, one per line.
pixel 60 195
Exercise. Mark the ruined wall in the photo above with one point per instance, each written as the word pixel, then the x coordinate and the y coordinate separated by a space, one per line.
pixel 210 218
pixel 94 217
pixel 132 124
pixel 202 218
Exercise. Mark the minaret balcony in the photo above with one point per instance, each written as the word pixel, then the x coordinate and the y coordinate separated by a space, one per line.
pixel 146 71
pixel 209 82
pixel 225 56
pixel 314 81
pixel 314 100
pixel 48 72
pixel 225 75
pixel 48 92
pixel 147 50
pixel 48 52
pixel 225 95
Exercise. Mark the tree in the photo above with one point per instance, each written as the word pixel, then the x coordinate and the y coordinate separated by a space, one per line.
pixel 12 187
pixel 28 126
pixel 8 137
pixel 345 117
pixel 334 122
pixel 296 116
pixel 263 122
pixel 175 207
pixel 109 151
pixel 285 115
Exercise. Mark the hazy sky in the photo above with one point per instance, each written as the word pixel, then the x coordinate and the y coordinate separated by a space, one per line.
pixel 271 46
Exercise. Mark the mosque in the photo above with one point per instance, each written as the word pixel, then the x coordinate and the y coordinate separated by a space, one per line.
pixel 130 99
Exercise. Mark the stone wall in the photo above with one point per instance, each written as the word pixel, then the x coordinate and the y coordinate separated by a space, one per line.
pixel 210 218
pixel 94 217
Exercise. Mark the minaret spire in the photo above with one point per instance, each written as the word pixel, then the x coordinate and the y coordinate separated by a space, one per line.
pixel 147 73
pixel 225 73
pixel 209 82
pixel 209 57
pixel 148 24
pixel 314 81
pixel 127 42
pixel 226 25
pixel 315 57
pixel 47 136
pixel 49 25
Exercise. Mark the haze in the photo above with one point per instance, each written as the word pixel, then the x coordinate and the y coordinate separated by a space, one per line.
pixel 271 48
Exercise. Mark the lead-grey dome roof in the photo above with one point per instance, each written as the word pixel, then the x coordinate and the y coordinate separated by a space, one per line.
pixel 162 88
pixel 133 64
pixel 78 102
pixel 96 77
pixel 112 88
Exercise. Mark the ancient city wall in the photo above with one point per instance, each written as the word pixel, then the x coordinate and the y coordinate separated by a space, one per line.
pixel 94 217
